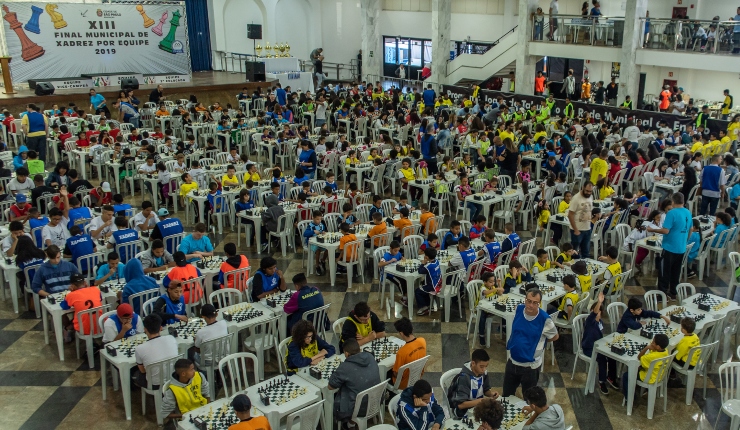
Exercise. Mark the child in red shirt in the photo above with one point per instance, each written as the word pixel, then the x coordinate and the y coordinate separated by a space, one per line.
pixel 82 141
pixel 20 208
pixel 103 190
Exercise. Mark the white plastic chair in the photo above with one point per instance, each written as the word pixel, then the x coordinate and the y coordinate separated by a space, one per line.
pixel 451 287
pixel 732 286
pixel 262 338
pixel 374 396
pixel 307 418
pixel 729 389
pixel 473 289
pixel 411 245
pixel 414 370
pixel 137 300
pixel 721 247
pixel 336 328
pixel 446 380
pixel 652 299
pixel 91 316
pixel 704 352
pixel 237 366
pixel 284 233
pixel 578 323
pixel 318 317
pixel 211 354
pixel 352 260
pixel 660 367
pixel 685 290
pixel 615 311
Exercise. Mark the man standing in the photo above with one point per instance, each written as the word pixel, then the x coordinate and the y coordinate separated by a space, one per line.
pixel 553 20
pixel 531 329
pixel 429 95
pixel 156 95
pixel 539 84
pixel 736 33
pixel 570 85
pixel 280 94
pixel 320 111
pixel 676 230
pixel 318 66
pixel 579 215
pixel 611 93
pixel 316 53
pixel 36 128
pixel 726 105
pixel 712 186
pixel 359 66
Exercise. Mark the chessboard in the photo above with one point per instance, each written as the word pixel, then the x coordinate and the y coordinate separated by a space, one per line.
pixel 325 368
pixel 126 347
pixel 679 313
pixel 556 275
pixel 115 286
pixel 220 419
pixel 707 302
pixel 381 349
pixel 505 303
pixel 210 263
pixel 329 237
pixel 513 415
pixel 444 255
pixel 279 390
pixel 279 299
pixel 56 298
pixel 362 229
pixel 289 206
pixel 592 266
pixel 241 313
pixel 658 327
pixel 622 345
pixel 464 423
pixel 187 330
pixel 483 197
pixel 408 266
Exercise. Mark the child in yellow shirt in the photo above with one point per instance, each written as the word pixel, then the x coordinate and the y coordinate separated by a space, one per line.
pixel 544 214
pixel 543 262
pixel 569 300
pixel 655 350
pixel 690 340
pixel 584 278
pixel 614 268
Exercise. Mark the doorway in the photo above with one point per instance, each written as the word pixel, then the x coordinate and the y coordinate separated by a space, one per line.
pixel 670 82
pixel 680 11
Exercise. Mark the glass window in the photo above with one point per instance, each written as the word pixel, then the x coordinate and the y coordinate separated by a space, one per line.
pixel 416 53
pixel 389 48
pixel 427 51
pixel 403 51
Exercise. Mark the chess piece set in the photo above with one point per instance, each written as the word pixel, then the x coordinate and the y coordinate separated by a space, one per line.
pixel 483 197
pixel 513 415
pixel 127 346
pixel 656 327
pixel 408 266
pixel 325 368
pixel 278 299
pixel 255 211
pixel 289 206
pixel 328 237
pixel 221 419
pixel 57 297
pixel 621 345
pixel 507 304
pixel 556 275
pixel 114 286
pixel 426 181
pixel 241 312
pixel 362 229
pixel 381 349
pixel 280 391
pixel 187 329
pixel 680 312
pixel 209 262
pixel 707 303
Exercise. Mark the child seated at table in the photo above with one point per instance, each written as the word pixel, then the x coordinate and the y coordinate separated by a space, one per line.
pixel 543 262
pixel 631 319
pixel 379 227
pixel 187 391
pixel 425 218
pixel 568 302
pixel 306 348
pixel 491 250
pixel 512 240
pixel 391 256
pixel 583 277
pixel 80 298
pixel 690 340
pixel 315 227
pixel 614 268
pixel 344 254
pixel 453 236
pixel 431 282
pixel 478 228
pixel 695 242
pixel 516 275
pixel 403 202
pixel 432 241
pixel 487 289
pixel 654 351
pixel 721 223
pixel 348 215
pixel 330 182
pixel 401 223
pixel 566 256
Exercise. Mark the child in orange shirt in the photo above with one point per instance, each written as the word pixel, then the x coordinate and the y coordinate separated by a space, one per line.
pixel 425 217
pixel 380 227
pixel 80 298
pixel 402 222
pixel 346 238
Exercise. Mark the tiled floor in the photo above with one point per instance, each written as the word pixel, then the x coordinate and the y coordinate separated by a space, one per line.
pixel 37 391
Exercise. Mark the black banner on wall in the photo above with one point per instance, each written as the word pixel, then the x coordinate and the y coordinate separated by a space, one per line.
pixel 647 118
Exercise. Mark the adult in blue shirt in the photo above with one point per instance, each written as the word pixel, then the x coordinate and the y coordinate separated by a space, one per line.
pixel 79 245
pixel 97 103
pixel 280 94
pixel 676 229
pixel 308 159
pixel 713 182
pixel 53 275
pixel 36 128
pixel 428 146
pixel 429 95
pixel 554 165
pixel 113 270
pixel 197 245
pixel 736 33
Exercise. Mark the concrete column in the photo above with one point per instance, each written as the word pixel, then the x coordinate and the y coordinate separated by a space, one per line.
pixel 441 26
pixel 525 63
pixel 629 73
pixel 372 47
pixel 510 10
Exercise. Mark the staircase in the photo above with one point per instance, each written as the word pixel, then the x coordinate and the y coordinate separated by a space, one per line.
pixel 499 60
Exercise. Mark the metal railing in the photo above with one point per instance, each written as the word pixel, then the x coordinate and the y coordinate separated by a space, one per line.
pixel 334 71
pixel 475 47
pixel 578 29
pixel 715 37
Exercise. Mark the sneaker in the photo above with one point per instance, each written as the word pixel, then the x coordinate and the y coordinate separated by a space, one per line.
pixel 264 247
pixel 319 270
pixel 404 301
pixel 671 298
pixel 691 274
pixel 68 336
pixel 423 311
pixel 612 383
pixel 603 389
pixel 482 341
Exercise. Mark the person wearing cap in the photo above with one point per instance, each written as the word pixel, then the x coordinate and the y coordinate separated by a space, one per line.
pixel 242 407
pixel 171 306
pixel 78 245
pixel 157 348
pixel 726 105
pixel 123 324
pixel 9 244
pixel 212 330
pixel 80 298
pixel 196 245
pixel 233 261
pixel 123 234
pixel 156 259
pixel 102 195
pixel 136 282
pixel 166 227
pixel 20 159
pixel 75 183
pixel 188 389
pixel 19 209
pixel 145 220
pixel 102 226
pixel 267 280
pixel 357 373
pixel 306 298
pixel 183 271
pixel 113 270
pixel 305 348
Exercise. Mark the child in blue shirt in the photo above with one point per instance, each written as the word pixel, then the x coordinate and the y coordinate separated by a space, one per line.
pixel 110 271
pixel 634 313
pixel 215 208
pixel 330 182
pixel 721 223
pixel 315 227
pixel 734 194
pixel 391 256
pixel 695 241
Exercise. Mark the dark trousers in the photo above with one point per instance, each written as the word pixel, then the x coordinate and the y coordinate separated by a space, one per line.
pixel 38 144
pixel 670 272
pixel 706 203
pixel 557 232
pixel 102 110
pixel 431 166
pixel 581 243
pixel 519 375
pixel 607 366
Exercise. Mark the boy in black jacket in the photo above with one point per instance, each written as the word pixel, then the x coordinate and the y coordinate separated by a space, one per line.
pixel 471 385
pixel 634 313
pixel 363 325
pixel 593 330
pixel 418 410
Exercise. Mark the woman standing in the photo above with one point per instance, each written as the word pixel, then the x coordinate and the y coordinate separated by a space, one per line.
pixel 97 104
pixel 509 159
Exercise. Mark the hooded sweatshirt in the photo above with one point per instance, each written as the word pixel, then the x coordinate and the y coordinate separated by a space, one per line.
pixel 136 282
pixel 469 386
pixel 53 278
pixel 356 374
pixel 551 419
pixel 409 417
pixel 18 161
